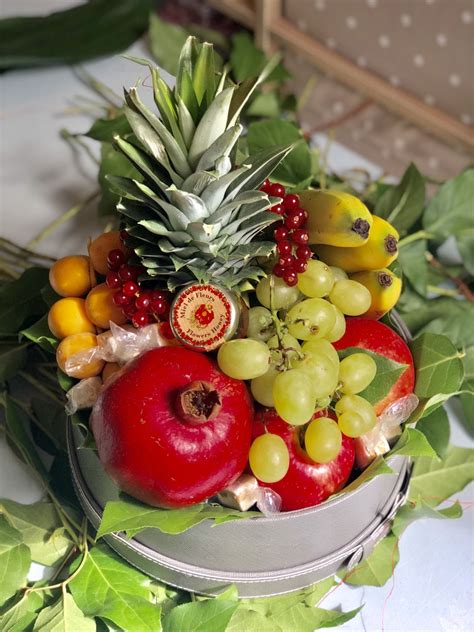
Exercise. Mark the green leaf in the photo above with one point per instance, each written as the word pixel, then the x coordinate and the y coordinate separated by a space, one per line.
pixel 435 427
pixel 63 616
pixel 40 334
pixel 450 210
pixel 21 614
pixel 414 264
pixel 109 588
pixel 403 205
pixel 419 510
pixel 434 481
pixel 465 242
pixel 388 372
pixel 246 59
pixel 200 616
pixel 467 398
pixel 412 443
pixel 112 163
pixel 20 300
pixel 12 359
pixel 264 105
pixel 438 365
pixel 41 529
pixel 93 29
pixel 295 167
pixel 52 420
pixel 104 130
pixel 378 567
pixel 15 560
pixel 166 41
pixel 131 516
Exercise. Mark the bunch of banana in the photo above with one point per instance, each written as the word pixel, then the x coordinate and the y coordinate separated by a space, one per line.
pixel 344 233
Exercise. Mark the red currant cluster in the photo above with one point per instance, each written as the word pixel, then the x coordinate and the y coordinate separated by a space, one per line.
pixel 142 307
pixel 290 235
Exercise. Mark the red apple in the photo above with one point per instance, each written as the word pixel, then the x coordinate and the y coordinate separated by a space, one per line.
pixel 171 429
pixel 306 483
pixel 377 337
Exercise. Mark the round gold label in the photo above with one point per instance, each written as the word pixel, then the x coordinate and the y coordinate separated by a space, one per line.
pixel 202 316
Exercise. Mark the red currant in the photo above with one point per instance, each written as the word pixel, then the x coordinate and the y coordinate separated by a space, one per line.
pixel 125 272
pixel 290 278
pixel 266 186
pixel 159 306
pixel 114 282
pixel 304 252
pixel 284 247
pixel 278 209
pixel 120 299
pixel 300 236
pixel 293 220
pixel 285 261
pixel 277 190
pixel 143 300
pixel 300 265
pixel 130 288
pixel 303 213
pixel 291 202
pixel 279 270
pixel 115 259
pixel 141 318
pixel 280 233
pixel 129 310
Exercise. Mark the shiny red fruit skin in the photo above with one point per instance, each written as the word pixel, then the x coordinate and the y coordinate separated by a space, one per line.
pixel 306 483
pixel 377 337
pixel 149 451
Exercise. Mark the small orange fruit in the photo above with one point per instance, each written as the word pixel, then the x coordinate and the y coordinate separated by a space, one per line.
pixel 109 369
pixel 71 346
pixel 100 248
pixel 70 276
pixel 101 308
pixel 68 316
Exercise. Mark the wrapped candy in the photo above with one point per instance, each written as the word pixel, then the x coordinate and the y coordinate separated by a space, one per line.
pixel 245 492
pixel 376 442
pixel 83 395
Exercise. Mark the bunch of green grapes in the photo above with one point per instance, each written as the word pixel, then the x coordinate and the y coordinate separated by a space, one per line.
pixel 292 364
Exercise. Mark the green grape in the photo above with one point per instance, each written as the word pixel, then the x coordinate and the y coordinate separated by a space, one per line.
pixel 269 458
pixel 355 405
pixel 289 342
pixel 244 358
pixel 262 387
pixel 339 328
pixel 356 372
pixel 350 297
pixel 322 371
pixel 322 346
pixel 352 424
pixel 338 273
pixel 322 403
pixel 294 397
pixel 283 295
pixel 317 280
pixel 312 318
pixel 323 440
pixel 260 324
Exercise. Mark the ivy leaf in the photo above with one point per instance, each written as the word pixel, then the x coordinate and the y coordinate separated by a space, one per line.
pixel 104 130
pixel 378 567
pixel 40 334
pixel 295 167
pixel 435 427
pixel 20 300
pixel 450 210
pixel 438 365
pixel 388 372
pixel 434 481
pixel 51 419
pixel 41 529
pixel 109 588
pixel 63 616
pixel 12 359
pixel 414 265
pixel 112 163
pixel 402 205
pixel 467 398
pixel 248 61
pixel 465 242
pixel 131 516
pixel 166 41
pixel 15 560
pixel 412 443
pixel 419 510
pixel 200 616
pixel 20 616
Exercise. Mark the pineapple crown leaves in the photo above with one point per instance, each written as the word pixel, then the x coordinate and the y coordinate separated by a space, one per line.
pixel 195 214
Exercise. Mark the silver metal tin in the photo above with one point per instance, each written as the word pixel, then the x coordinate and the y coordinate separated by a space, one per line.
pixel 263 556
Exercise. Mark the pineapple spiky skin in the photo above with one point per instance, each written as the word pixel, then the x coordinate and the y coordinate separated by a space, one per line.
pixel 195 215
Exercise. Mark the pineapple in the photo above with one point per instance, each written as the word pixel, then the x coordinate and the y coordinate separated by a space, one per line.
pixel 196 215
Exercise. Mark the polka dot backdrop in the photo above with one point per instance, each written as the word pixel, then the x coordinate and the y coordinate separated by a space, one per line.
pixel 425 47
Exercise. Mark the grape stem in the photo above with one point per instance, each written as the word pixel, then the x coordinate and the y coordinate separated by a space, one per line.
pixel 278 327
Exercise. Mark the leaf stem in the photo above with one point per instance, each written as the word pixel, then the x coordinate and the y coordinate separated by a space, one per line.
pixel 441 291
pixel 463 287
pixel 421 234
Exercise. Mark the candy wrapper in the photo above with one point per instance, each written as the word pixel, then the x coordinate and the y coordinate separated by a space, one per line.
pixel 245 492
pixel 376 442
pixel 83 395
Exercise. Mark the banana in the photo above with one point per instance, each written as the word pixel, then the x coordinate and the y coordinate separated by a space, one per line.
pixel 336 218
pixel 378 251
pixel 384 287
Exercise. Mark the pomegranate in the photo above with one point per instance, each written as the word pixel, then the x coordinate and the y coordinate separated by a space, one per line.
pixel 306 483
pixel 171 429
